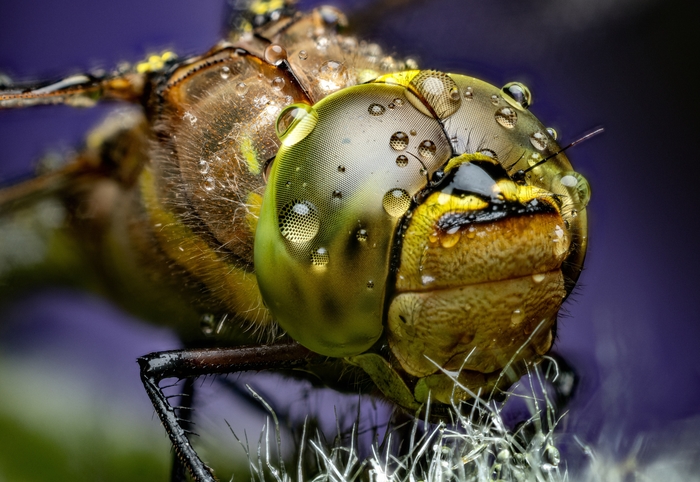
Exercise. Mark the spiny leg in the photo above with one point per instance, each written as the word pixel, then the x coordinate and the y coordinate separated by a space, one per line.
pixel 190 363
pixel 178 472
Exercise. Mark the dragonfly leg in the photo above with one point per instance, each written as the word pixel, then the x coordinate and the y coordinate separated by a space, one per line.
pixel 189 363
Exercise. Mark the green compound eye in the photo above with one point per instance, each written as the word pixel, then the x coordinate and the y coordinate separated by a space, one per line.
pixel 351 221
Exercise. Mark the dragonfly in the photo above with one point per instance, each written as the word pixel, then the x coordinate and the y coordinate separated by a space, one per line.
pixel 296 199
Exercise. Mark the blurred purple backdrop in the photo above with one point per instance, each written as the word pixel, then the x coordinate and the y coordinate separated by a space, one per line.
pixel 633 326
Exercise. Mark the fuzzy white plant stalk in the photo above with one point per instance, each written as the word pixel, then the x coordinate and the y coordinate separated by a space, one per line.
pixel 474 446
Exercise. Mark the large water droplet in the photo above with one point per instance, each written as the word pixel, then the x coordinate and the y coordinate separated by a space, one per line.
pixel 361 234
pixel 399 141
pixel 518 93
pixel 507 117
pixel 539 140
pixel 275 54
pixel 320 257
pixel 376 109
pixel 469 93
pixel 427 149
pixel 295 122
pixel 402 161
pixel 299 221
pixel 370 284
pixel 204 167
pixel 577 185
pixel 552 133
pixel 396 202
pixel 209 183
pixel 303 55
pixel 225 72
pixel 495 99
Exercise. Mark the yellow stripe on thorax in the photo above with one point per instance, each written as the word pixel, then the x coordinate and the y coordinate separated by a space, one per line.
pixel 235 287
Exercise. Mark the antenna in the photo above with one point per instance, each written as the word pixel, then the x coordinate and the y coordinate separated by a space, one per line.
pixel 520 175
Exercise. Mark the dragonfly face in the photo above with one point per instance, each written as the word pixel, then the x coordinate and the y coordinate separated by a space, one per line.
pixel 405 221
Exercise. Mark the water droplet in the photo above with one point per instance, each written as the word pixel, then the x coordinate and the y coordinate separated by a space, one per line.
pixel 361 234
pixel 332 75
pixel 209 183
pixel 413 132
pixel 320 257
pixel 450 238
pixel 517 317
pixel 299 221
pixel 341 168
pixel 551 455
pixel 188 116
pixel 225 72
pixel 519 94
pixel 322 43
pixel 552 133
pixel 427 149
pixel 349 44
pixel 398 141
pixel 391 105
pixel 402 161
pixel 241 88
pixel 539 140
pixel 507 117
pixel 275 54
pixel 437 88
pixel 207 324
pixel 503 456
pixel 469 93
pixel 489 153
pixel 398 102
pixel 277 83
pixel 303 55
pixel 495 99
pixel 538 277
pixel 534 159
pixel 376 109
pixel 337 194
pixel 295 122
pixel 577 185
pixel 370 284
pixel 204 167
pixel 396 202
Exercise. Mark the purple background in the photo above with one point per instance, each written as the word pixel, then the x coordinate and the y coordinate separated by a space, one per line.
pixel 632 328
